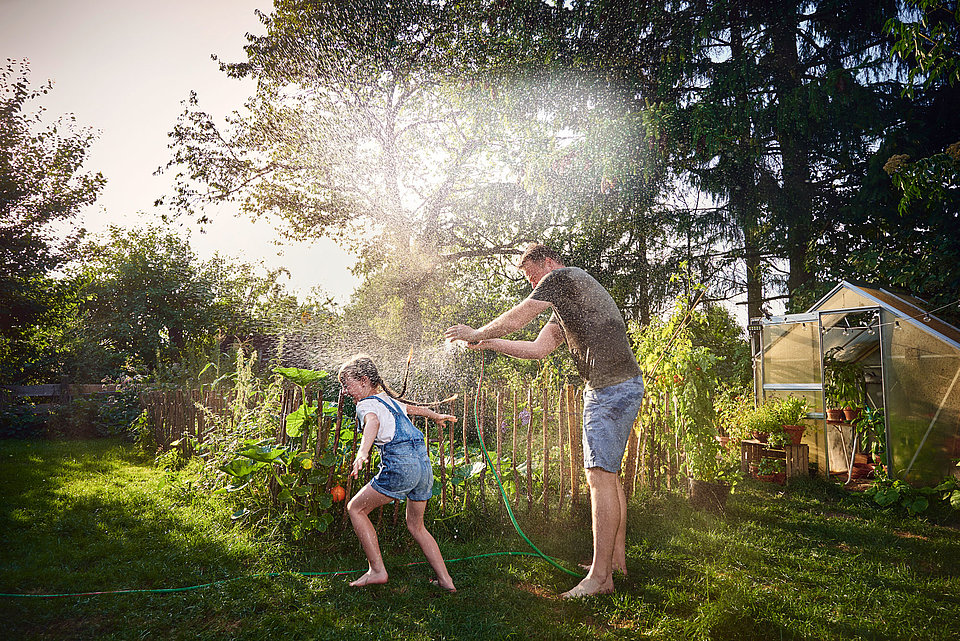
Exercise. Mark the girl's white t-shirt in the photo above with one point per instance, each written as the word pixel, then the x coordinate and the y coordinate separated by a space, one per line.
pixel 388 424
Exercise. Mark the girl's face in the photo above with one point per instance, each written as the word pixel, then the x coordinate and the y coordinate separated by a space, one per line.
pixel 358 388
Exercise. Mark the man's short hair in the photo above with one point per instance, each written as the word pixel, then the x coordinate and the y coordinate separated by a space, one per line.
pixel 538 253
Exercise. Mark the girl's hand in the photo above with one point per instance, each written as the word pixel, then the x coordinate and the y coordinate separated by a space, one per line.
pixel 445 418
pixel 358 463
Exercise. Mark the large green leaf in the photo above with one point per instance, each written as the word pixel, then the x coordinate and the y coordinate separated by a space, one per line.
pixel 241 467
pixel 301 377
pixel 300 419
pixel 263 453
pixel 329 408
pixel 323 521
pixel 463 472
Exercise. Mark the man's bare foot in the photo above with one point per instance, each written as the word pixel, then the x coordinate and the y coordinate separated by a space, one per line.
pixel 443 586
pixel 587 565
pixel 370 578
pixel 588 587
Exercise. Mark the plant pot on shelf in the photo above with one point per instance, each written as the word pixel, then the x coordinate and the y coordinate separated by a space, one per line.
pixel 795 432
pixel 850 414
pixel 835 416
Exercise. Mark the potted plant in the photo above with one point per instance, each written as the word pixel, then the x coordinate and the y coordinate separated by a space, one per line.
pixel 731 404
pixel 872 426
pixel 761 421
pixel 712 471
pixel 789 412
pixel 711 468
pixel 771 470
pixel 843 387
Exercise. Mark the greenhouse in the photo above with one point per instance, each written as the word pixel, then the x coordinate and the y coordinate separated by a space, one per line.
pixel 887 359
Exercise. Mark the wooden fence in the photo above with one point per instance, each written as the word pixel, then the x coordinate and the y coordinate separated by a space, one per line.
pixel 533 438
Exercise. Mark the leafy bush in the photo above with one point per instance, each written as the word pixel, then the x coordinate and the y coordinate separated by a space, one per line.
pixel 264 476
pixel 94 416
pixel 21 420
pixel 916 500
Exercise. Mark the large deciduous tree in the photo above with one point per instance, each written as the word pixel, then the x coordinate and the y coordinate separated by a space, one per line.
pixel 42 183
pixel 901 229
pixel 351 134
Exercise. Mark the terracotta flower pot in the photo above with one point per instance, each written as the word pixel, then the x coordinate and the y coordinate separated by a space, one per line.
pixel 850 414
pixel 795 432
pixel 835 416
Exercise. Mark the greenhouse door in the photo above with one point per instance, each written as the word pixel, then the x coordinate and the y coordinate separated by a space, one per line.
pixel 787 363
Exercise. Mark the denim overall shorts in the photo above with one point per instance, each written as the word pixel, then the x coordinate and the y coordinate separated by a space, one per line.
pixel 405 470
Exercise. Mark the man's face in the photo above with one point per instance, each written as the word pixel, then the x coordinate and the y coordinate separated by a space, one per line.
pixel 534 272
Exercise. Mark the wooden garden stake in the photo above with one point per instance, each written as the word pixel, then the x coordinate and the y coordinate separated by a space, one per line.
pixel 630 473
pixel 483 471
pixel 441 429
pixel 466 452
pixel 336 443
pixel 560 441
pixel 573 434
pixel 530 450
pixel 546 455
pixel 513 452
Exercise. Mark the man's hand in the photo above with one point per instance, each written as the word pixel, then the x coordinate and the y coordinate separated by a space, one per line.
pixel 462 333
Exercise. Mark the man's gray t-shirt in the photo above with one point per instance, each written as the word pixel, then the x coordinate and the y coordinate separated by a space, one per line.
pixel 592 326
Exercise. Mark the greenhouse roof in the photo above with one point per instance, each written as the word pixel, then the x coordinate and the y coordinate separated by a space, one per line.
pixel 909 308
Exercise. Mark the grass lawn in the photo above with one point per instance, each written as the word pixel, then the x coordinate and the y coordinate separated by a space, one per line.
pixel 807 562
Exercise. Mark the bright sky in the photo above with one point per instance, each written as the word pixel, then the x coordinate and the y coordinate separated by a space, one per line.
pixel 123 67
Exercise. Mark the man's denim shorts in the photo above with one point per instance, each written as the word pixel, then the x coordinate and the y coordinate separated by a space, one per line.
pixel 608 417
pixel 405 471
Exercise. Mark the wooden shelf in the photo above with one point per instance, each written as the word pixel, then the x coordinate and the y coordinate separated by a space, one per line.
pixel 796 458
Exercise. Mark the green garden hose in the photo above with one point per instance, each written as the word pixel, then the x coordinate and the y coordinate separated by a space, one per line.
pixel 252 576
pixel 496 475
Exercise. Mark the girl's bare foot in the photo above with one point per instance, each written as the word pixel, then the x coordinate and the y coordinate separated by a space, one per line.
pixel 588 587
pixel 443 586
pixel 370 578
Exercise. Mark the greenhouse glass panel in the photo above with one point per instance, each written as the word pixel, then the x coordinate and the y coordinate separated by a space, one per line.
pixel 922 402
pixel 791 354
pixel 846 298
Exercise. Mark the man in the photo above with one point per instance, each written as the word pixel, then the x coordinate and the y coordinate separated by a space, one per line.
pixel 587 319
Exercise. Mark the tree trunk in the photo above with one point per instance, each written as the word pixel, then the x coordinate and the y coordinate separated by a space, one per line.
pixel 794 204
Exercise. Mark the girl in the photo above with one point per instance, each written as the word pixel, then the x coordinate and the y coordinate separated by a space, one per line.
pixel 405 470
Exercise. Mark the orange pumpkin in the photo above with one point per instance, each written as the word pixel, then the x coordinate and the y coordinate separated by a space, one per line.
pixel 338 493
